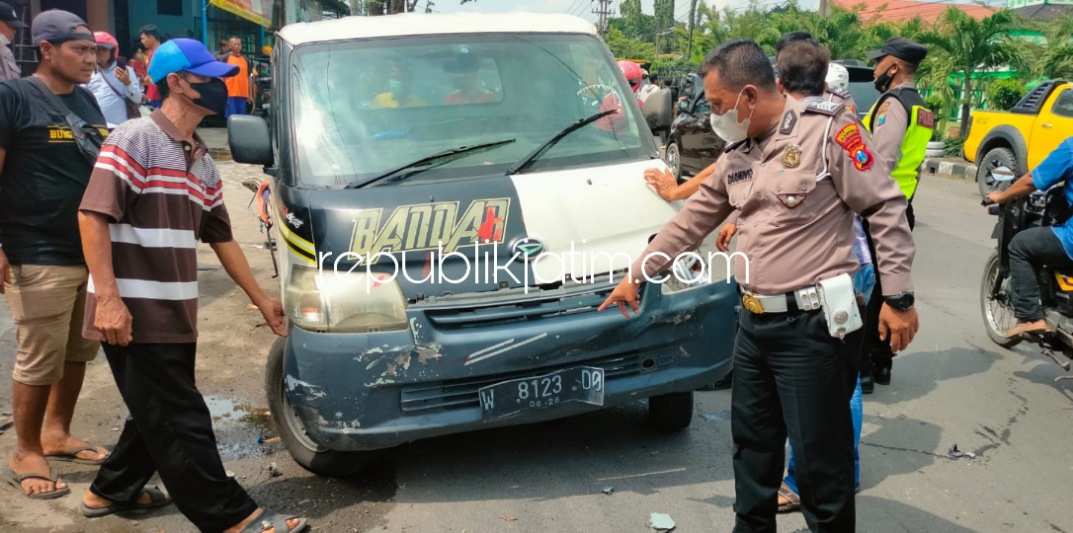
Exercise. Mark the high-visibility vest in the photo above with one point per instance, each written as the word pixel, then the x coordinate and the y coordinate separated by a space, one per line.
pixel 916 138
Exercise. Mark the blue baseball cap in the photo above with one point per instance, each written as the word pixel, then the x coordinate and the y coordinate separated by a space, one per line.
pixel 187 55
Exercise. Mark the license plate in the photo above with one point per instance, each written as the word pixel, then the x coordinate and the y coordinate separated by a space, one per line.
pixel 581 384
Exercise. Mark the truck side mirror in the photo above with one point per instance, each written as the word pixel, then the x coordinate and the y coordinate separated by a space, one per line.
pixel 249 140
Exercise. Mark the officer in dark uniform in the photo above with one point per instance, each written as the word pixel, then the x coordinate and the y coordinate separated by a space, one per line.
pixel 901 126
pixel 796 173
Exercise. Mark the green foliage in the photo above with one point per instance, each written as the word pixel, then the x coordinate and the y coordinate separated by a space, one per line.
pixel 625 47
pixel 1002 95
pixel 1054 60
pixel 954 147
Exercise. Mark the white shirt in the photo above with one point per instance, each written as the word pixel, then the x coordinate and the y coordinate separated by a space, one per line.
pixel 113 107
pixel 9 68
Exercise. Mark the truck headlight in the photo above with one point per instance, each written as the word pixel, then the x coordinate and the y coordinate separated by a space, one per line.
pixel 344 303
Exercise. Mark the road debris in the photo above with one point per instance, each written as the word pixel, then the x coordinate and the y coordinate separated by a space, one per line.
pixel 608 490
pixel 273 470
pixel 252 307
pixel 5 422
pixel 509 518
pixel 954 451
pixel 661 522
pixel 229 474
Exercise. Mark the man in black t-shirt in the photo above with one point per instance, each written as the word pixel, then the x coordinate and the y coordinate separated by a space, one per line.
pixel 43 175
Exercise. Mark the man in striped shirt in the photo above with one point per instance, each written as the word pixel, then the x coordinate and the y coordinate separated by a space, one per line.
pixel 153 194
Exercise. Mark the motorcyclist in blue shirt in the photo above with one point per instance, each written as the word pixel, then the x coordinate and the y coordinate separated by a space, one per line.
pixel 1033 247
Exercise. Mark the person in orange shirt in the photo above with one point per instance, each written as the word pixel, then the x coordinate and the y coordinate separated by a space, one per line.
pixel 464 72
pixel 239 94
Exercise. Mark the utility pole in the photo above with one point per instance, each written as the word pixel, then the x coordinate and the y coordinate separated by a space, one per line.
pixel 823 8
pixel 603 11
pixel 692 23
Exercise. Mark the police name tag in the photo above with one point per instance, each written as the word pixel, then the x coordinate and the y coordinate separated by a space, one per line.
pixel 582 384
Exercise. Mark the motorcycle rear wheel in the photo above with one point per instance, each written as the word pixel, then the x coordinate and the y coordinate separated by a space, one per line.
pixel 997 312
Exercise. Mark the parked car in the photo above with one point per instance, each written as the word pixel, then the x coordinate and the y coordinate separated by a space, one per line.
pixel 449 158
pixel 692 146
pixel 1022 138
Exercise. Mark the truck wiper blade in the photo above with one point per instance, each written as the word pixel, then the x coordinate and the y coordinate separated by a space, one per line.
pixel 441 158
pixel 531 156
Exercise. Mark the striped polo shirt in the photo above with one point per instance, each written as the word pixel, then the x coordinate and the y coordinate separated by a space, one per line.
pixel 160 194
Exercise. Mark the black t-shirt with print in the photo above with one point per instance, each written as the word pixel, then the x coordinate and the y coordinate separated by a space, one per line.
pixel 44 175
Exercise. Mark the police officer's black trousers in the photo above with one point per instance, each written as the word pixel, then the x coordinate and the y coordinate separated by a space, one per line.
pixel 877 352
pixel 792 378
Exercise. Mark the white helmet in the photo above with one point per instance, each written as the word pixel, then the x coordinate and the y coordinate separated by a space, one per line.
pixel 837 77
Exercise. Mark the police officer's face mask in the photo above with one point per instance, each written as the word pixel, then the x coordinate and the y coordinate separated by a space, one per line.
pixel 884 80
pixel 727 127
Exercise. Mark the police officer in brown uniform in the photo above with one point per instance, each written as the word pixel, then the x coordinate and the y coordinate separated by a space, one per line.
pixel 901 127
pixel 796 174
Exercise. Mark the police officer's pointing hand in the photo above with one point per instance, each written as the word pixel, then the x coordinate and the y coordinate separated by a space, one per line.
pixel 624 294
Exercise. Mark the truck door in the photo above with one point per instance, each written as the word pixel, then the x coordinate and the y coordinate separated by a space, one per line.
pixel 1053 125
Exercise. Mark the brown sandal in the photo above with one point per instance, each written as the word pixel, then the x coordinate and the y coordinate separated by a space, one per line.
pixel 791 497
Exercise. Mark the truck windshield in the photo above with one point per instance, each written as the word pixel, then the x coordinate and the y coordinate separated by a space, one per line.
pixel 362 108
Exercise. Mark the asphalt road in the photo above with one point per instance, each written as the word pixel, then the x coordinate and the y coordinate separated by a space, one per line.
pixel 952 386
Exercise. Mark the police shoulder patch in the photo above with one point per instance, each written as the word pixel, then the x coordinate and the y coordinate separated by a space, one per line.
pixel 824 108
pixel 789 120
pixel 849 138
pixel 840 93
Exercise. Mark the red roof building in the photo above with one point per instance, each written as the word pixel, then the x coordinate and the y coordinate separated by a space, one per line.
pixel 901 10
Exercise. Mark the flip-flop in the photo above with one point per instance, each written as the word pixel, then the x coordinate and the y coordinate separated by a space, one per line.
pixel 15 480
pixel 72 455
pixel 791 496
pixel 156 497
pixel 269 520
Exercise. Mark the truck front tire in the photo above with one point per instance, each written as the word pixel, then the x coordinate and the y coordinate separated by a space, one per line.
pixel 308 454
pixel 671 412
pixel 995 157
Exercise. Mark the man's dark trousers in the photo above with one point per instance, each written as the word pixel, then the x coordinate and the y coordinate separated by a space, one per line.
pixel 877 352
pixel 169 431
pixel 791 377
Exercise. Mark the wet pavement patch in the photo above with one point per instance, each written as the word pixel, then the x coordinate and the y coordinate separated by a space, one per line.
pixel 241 429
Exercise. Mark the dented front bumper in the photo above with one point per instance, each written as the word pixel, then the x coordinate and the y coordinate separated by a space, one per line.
pixel 357 392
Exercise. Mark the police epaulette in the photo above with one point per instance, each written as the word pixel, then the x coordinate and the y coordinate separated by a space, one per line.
pixel 839 93
pixel 824 108
pixel 731 146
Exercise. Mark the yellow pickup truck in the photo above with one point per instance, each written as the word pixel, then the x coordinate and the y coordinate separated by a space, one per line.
pixel 1021 138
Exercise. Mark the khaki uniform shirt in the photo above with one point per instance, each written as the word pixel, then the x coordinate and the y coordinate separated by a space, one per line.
pixel 9 68
pixel 840 97
pixel 890 121
pixel 796 229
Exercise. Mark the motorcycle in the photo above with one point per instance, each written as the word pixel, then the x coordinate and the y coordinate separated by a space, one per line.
pixel 1039 209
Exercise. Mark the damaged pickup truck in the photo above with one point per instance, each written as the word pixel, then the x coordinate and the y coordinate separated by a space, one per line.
pixel 454 197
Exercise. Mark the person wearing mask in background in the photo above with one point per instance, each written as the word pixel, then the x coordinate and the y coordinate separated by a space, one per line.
pixel 9 22
pixel 43 175
pixel 114 85
pixel 464 70
pixel 151 40
pixel 794 368
pixel 239 88
pixel 139 63
pixel 398 92
pixel 901 126
pixel 141 245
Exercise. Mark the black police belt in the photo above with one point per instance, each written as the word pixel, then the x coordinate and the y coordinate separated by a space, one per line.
pixel 807 299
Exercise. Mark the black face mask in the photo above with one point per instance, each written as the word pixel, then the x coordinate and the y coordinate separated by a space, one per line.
pixel 883 81
pixel 213 95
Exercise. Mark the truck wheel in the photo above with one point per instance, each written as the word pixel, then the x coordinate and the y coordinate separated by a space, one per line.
pixel 671 412
pixel 995 158
pixel 303 450
pixel 673 157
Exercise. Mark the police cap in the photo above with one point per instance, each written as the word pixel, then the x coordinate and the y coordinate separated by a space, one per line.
pixel 909 51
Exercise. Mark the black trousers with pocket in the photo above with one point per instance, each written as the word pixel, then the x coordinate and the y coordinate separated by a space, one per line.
pixel 169 431
pixel 877 352
pixel 792 378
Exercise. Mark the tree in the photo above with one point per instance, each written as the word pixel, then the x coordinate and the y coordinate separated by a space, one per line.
pixel 622 46
pixel 971 46
pixel 1002 95
pixel 1054 60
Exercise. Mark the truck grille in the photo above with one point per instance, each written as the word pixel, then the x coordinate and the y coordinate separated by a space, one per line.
pixel 422 398
pixel 517 310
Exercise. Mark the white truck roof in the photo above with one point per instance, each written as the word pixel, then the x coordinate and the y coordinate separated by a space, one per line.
pixel 407 24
